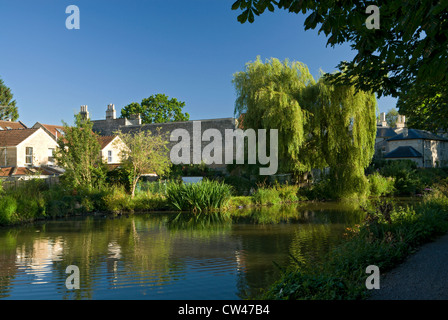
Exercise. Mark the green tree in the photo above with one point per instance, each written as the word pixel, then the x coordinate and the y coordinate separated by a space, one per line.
pixel 424 111
pixel 79 154
pixel 392 117
pixel 8 108
pixel 145 153
pixel 157 109
pixel 319 124
pixel 406 57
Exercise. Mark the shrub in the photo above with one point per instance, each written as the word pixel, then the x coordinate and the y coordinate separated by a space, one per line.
pixel 379 185
pixel 240 201
pixel 265 196
pixel 117 200
pixel 8 209
pixel 241 186
pixel 288 193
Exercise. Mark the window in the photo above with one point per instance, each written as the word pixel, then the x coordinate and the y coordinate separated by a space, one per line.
pixel 109 156
pixel 60 131
pixel 29 155
pixel 50 155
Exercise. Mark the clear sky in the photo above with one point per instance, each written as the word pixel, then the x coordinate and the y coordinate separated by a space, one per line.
pixel 127 50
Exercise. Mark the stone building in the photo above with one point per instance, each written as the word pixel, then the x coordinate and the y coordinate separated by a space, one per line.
pixel 400 143
pixel 425 148
pixel 111 124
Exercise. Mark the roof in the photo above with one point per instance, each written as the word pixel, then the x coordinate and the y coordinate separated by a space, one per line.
pixel 24 171
pixel 53 129
pixel 417 134
pixel 403 152
pixel 4 124
pixel 105 140
pixel 11 138
pixel 385 132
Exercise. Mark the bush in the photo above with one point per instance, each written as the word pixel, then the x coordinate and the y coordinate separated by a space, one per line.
pixel 241 186
pixel 8 209
pixel 117 200
pixel 264 196
pixel 240 201
pixel 379 185
pixel 288 193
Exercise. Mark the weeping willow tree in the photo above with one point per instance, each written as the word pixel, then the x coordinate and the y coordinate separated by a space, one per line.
pixel 267 95
pixel 320 126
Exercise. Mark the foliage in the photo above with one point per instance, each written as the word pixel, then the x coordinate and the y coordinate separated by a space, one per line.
pixel 266 95
pixel 79 154
pixel 425 110
pixel 120 176
pixel 144 153
pixel 408 179
pixel 25 203
pixel 189 170
pixel 204 196
pixel 266 196
pixel 380 186
pixel 240 201
pixel 240 185
pixel 275 194
pixel 157 109
pixel 319 124
pixel 6 100
pixel 8 210
pixel 404 57
pixel 392 117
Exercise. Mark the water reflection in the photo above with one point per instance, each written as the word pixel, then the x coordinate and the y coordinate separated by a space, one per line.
pixel 167 256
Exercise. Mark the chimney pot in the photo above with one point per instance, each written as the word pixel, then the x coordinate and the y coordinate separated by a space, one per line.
pixel 110 112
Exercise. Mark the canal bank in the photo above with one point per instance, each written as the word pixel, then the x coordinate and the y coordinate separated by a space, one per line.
pixel 423 276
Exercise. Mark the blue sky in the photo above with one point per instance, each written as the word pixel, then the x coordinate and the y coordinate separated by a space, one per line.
pixel 128 50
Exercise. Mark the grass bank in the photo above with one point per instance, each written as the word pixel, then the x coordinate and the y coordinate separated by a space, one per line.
pixel 388 235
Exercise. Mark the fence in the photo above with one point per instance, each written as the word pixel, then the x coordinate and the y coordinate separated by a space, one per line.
pixel 8 184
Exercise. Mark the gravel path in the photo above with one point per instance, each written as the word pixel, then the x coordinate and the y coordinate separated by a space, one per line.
pixel 423 276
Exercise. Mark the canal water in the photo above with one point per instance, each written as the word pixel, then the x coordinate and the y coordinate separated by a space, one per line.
pixel 167 255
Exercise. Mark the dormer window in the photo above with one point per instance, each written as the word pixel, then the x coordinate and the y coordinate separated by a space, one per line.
pixel 60 131
pixel 9 128
pixel 1 128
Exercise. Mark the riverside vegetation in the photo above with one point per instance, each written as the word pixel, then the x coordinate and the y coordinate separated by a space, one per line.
pixel 35 200
pixel 389 233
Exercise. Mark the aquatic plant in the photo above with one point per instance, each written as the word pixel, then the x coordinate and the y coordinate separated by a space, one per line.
pixel 207 195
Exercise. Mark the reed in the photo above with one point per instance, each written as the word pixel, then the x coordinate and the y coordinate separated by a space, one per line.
pixel 203 196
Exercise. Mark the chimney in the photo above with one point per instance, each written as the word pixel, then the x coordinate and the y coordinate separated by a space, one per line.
pixel 382 122
pixel 401 121
pixel 110 112
pixel 135 119
pixel 84 113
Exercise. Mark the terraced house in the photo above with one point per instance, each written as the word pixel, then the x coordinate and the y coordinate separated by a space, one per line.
pixel 24 151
